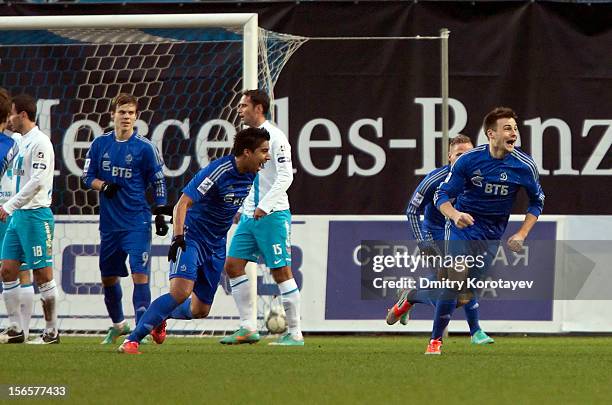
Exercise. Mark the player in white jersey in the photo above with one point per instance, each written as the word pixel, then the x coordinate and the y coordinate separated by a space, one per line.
pixel 29 237
pixel 8 149
pixel 26 290
pixel 265 229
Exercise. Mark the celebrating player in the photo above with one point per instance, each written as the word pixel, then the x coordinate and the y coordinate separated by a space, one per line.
pixel 485 181
pixel 430 239
pixel 265 229
pixel 202 217
pixel 122 164
pixel 29 235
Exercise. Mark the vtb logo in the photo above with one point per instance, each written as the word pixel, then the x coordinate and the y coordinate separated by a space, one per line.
pixel 496 189
pixel 121 172
pixel 232 199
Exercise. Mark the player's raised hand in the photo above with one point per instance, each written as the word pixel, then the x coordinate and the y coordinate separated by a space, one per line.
pixel 178 242
pixel 463 220
pixel 515 242
pixel 109 189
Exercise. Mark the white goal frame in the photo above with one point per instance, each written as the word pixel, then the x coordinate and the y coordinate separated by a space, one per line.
pixel 246 22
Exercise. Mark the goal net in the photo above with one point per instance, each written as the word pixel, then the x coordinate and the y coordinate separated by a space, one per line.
pixel 187 71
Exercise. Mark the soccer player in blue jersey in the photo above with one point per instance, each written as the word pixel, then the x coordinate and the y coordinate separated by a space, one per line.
pixel 430 238
pixel 29 235
pixel 202 217
pixel 122 164
pixel 265 230
pixel 485 182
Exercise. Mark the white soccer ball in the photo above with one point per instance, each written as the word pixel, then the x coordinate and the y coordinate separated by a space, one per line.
pixel 276 322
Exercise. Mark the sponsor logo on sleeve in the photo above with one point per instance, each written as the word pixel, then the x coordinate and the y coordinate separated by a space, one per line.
pixel 205 185
pixel 417 199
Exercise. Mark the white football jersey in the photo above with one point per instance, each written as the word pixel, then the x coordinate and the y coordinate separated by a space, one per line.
pixel 6 183
pixel 269 191
pixel 33 169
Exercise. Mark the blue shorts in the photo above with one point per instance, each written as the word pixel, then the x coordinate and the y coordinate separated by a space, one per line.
pixel 115 247
pixel 472 241
pixel 29 238
pixel 269 236
pixel 202 265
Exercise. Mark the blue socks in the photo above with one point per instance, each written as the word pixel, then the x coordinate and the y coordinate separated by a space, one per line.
pixel 141 300
pixel 159 310
pixel 183 311
pixel 112 299
pixel 471 314
pixel 443 314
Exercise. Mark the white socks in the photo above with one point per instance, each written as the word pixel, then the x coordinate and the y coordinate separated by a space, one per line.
pixel 48 293
pixel 11 300
pixel 241 291
pixel 26 299
pixel 291 298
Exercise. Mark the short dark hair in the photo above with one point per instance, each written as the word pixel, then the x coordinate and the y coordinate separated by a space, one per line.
pixel 250 138
pixel 459 139
pixel 123 98
pixel 25 102
pixel 259 97
pixel 6 105
pixel 490 120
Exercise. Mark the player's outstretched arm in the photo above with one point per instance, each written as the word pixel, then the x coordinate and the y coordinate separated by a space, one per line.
pixel 515 242
pixel 536 205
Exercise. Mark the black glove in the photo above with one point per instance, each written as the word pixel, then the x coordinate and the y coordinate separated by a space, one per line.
pixel 163 210
pixel 177 242
pixel 161 228
pixel 109 189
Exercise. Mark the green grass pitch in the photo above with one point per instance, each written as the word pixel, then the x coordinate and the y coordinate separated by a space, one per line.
pixel 340 369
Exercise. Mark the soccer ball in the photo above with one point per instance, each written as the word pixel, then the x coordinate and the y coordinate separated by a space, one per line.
pixel 276 322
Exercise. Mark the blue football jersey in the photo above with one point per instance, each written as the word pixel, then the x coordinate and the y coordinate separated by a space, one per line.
pixel 217 191
pixel 134 165
pixel 486 187
pixel 422 202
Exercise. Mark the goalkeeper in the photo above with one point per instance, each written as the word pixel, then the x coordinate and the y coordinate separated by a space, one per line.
pixel 121 165
pixel 430 237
